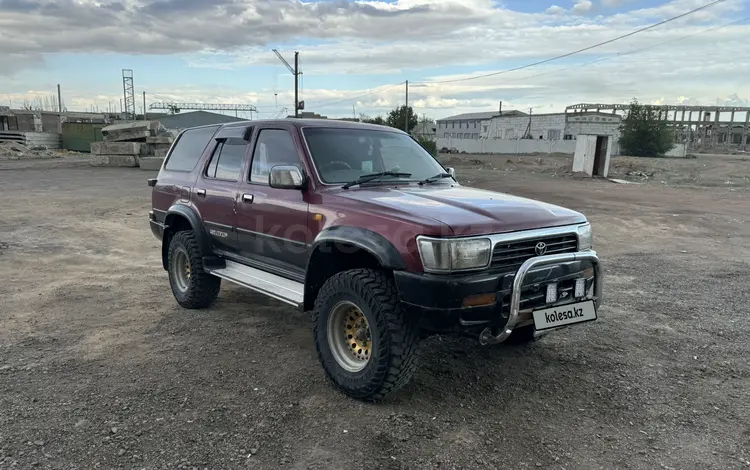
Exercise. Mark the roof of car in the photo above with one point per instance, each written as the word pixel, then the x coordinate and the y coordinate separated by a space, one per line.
pixel 315 123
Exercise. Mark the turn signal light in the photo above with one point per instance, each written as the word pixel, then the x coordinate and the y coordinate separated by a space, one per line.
pixel 479 300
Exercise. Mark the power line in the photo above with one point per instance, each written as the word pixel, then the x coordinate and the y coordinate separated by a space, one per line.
pixel 375 90
pixel 632 33
pixel 621 54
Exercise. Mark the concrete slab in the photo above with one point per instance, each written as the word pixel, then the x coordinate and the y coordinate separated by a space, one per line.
pixel 114 161
pixel 160 139
pixel 161 153
pixel 131 126
pixel 139 136
pixel 118 148
pixel 150 163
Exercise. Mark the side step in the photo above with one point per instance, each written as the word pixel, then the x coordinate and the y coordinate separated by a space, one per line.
pixel 279 288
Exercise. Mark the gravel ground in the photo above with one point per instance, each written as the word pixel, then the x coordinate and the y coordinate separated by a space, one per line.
pixel 99 368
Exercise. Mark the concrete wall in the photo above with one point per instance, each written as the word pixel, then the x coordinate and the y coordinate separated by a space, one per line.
pixel 446 129
pixel 679 151
pixel 51 122
pixel 593 124
pixel 553 126
pixel 549 126
pixel 51 140
pixel 25 122
pixel 514 146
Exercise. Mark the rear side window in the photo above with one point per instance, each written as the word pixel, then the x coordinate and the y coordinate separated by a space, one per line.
pixel 226 162
pixel 189 148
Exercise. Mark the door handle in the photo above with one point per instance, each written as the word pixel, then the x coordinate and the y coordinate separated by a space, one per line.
pixel 200 192
pixel 248 198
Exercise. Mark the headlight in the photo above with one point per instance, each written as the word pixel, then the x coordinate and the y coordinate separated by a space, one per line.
pixel 585 237
pixel 446 255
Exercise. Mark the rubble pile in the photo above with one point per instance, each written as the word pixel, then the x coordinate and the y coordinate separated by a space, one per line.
pixel 140 143
pixel 18 151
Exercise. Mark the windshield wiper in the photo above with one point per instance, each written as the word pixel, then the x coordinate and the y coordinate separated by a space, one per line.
pixel 432 179
pixel 373 176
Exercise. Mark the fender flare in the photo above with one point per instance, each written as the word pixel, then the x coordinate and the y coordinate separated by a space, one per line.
pixel 181 210
pixel 362 239
pixel 372 242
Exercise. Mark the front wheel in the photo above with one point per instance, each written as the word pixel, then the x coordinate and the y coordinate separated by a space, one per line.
pixel 365 342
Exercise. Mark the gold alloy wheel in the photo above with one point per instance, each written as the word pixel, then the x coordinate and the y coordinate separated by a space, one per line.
pixel 181 269
pixel 349 336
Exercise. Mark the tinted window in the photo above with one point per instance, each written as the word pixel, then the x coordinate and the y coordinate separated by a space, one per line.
pixel 273 147
pixel 226 162
pixel 189 148
pixel 343 155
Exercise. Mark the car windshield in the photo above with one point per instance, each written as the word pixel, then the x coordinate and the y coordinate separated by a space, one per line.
pixel 343 155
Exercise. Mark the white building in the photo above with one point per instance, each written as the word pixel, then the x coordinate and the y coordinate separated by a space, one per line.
pixel 469 125
pixel 556 126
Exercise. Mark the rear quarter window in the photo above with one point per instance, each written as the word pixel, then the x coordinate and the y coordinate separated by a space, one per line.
pixel 189 148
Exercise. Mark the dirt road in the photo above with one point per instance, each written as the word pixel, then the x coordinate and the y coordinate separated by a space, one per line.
pixel 100 369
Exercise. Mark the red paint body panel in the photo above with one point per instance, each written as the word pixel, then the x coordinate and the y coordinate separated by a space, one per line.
pixel 398 212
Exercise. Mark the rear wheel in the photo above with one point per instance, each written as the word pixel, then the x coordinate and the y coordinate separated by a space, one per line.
pixel 191 285
pixel 365 343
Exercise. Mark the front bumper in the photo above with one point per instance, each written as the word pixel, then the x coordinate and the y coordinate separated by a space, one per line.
pixel 439 299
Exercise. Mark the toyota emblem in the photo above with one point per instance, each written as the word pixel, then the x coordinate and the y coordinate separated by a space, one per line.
pixel 540 248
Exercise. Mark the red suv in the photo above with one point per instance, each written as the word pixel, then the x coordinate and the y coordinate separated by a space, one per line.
pixel 362 227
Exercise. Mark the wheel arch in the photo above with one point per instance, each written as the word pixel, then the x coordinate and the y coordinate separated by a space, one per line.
pixel 342 248
pixel 181 217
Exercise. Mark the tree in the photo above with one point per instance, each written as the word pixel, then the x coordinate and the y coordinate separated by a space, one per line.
pixel 397 118
pixel 643 134
pixel 375 120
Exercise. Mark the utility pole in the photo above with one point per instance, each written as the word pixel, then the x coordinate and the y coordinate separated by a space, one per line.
pixel 144 105
pixel 296 84
pixel 59 99
pixel 295 71
pixel 406 108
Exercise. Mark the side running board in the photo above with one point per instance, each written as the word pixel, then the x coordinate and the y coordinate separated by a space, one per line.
pixel 279 288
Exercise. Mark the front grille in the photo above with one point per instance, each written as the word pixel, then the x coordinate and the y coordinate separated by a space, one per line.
pixel 509 256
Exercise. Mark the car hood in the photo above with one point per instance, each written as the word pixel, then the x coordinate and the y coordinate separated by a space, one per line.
pixel 467 211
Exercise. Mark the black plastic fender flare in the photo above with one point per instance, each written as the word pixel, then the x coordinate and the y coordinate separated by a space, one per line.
pixel 181 210
pixel 360 239
pixel 364 239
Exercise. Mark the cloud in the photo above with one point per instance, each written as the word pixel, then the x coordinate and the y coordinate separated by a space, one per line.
pixel 612 3
pixel 408 38
pixel 582 6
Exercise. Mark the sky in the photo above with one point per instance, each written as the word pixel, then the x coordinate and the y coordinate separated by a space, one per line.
pixel 356 56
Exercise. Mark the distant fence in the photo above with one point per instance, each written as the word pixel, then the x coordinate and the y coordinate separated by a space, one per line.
pixel 529 146
pixel 679 150
pixel 510 146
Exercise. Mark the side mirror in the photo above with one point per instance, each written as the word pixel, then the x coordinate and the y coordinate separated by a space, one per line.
pixel 286 177
pixel 451 171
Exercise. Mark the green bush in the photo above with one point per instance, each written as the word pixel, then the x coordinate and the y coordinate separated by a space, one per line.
pixel 643 134
pixel 427 144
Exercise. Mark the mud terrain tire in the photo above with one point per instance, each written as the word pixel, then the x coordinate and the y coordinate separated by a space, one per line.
pixel 192 287
pixel 393 337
